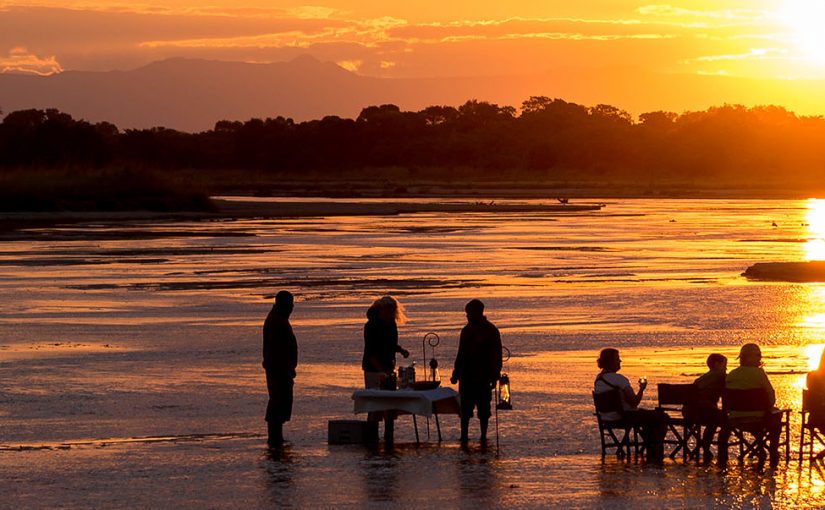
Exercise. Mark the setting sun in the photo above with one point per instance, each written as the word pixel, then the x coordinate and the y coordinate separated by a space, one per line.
pixel 805 19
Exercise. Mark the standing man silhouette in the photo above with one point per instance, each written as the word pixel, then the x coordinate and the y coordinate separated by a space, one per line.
pixel 477 368
pixel 280 351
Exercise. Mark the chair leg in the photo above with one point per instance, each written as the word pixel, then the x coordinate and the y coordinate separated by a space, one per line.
pixel 680 441
pixel 787 439
pixel 601 439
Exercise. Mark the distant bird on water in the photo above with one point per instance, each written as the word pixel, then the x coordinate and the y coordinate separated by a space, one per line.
pixel 563 200
pixel 773 224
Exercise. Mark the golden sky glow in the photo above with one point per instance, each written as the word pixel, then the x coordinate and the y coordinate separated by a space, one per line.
pixel 773 40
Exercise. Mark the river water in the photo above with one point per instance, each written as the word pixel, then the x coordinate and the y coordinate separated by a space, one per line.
pixel 130 353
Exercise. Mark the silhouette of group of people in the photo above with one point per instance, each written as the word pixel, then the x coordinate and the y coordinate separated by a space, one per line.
pixel 477 366
pixel 477 369
pixel 704 408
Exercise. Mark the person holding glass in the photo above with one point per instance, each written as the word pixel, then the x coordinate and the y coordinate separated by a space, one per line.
pixel 651 422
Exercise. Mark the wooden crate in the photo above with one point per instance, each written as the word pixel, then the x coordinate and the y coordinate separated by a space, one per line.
pixel 352 432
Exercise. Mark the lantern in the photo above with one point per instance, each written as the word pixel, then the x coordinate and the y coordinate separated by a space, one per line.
pixel 504 393
pixel 503 396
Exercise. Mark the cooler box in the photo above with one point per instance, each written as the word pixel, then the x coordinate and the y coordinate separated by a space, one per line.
pixel 352 432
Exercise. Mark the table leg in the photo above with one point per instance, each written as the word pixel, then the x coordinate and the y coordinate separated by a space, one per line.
pixel 438 427
pixel 389 427
pixel 415 425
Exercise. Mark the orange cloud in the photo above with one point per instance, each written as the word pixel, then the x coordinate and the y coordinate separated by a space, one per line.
pixel 351 65
pixel 662 37
pixel 19 60
pixel 746 16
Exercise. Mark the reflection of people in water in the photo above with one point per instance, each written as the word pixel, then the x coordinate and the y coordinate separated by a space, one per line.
pixel 652 422
pixel 478 481
pixel 280 352
pixel 381 340
pixel 477 367
pixel 279 469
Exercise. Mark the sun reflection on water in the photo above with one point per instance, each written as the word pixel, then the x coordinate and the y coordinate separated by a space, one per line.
pixel 810 308
pixel 814 353
pixel 815 223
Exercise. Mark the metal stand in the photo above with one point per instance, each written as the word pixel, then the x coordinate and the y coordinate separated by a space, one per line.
pixel 432 340
pixel 496 390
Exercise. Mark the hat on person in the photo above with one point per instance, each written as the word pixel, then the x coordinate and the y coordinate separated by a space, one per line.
pixel 748 350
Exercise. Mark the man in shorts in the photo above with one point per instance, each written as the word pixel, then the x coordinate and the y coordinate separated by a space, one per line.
pixel 477 368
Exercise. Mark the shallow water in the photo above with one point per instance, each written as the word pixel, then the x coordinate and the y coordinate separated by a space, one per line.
pixel 152 330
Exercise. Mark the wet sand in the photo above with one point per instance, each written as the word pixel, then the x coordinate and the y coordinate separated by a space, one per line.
pixel 228 209
pixel 212 453
pixel 130 353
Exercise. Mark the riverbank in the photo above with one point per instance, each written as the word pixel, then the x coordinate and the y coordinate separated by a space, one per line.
pixel 264 185
pixel 248 207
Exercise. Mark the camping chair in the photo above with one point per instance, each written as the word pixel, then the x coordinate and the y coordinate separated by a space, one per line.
pixel 681 431
pixel 752 400
pixel 813 425
pixel 611 402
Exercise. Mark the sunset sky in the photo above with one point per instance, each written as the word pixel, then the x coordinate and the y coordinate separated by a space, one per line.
pixel 773 40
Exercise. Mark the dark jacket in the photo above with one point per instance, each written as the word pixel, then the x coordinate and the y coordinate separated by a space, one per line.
pixel 709 389
pixel 380 344
pixel 478 361
pixel 280 349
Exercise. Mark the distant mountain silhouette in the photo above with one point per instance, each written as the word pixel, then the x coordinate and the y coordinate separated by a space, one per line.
pixel 192 94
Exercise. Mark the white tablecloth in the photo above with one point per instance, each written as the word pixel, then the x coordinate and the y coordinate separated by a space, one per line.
pixel 422 403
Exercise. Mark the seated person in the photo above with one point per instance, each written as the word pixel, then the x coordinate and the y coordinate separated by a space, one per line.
pixel 652 422
pixel 705 409
pixel 816 395
pixel 750 375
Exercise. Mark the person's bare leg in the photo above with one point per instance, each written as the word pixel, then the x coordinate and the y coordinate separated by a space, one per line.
pixel 276 433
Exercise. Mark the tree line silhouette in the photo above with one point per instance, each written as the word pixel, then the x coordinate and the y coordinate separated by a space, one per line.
pixel 546 139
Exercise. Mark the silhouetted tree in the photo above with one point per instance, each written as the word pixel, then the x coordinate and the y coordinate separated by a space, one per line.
pixel 550 138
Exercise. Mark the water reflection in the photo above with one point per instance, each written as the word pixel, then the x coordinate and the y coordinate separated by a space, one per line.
pixel 631 278
pixel 747 486
pixel 478 479
pixel 279 464
pixel 812 305
pixel 380 475
pixel 616 481
pixel 814 351
pixel 815 223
